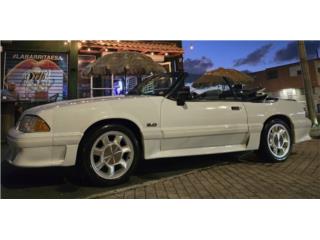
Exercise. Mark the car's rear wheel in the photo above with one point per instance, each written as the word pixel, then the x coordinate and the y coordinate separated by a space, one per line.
pixel 276 141
pixel 109 155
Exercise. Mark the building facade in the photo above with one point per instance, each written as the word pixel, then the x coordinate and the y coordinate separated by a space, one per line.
pixel 286 81
pixel 38 72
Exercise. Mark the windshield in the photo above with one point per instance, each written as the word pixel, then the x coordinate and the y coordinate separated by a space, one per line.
pixel 157 85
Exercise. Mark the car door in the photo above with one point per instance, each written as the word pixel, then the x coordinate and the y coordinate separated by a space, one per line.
pixel 208 121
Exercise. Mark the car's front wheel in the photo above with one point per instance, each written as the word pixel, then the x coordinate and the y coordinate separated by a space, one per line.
pixel 109 155
pixel 276 142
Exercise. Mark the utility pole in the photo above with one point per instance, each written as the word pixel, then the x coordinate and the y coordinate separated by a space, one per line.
pixel 307 83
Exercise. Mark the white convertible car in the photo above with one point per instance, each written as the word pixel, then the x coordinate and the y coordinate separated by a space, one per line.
pixel 107 136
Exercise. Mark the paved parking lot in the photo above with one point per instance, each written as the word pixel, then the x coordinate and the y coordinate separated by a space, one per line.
pixel 299 177
pixel 240 175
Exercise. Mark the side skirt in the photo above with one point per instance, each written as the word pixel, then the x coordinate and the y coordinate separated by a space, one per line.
pixel 197 151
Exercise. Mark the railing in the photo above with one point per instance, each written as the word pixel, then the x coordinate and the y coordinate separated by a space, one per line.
pixel 92 88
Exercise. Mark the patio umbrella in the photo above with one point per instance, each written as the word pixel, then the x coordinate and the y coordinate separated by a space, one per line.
pixel 122 63
pixel 207 81
pixel 127 63
pixel 216 76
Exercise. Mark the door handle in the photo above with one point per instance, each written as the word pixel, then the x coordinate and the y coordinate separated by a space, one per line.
pixel 235 108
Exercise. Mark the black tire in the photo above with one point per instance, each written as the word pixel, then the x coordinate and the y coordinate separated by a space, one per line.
pixel 264 151
pixel 84 157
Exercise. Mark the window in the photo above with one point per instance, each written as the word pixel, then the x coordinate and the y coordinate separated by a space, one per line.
pixel 272 74
pixel 157 85
pixel 218 90
pixel 295 70
pixel 83 80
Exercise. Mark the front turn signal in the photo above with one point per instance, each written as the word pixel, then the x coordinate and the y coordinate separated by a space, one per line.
pixel 33 123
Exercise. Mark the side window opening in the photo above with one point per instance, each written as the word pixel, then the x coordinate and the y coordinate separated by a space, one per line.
pixel 157 86
pixel 211 91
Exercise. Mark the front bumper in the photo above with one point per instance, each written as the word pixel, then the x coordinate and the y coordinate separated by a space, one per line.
pixel 38 150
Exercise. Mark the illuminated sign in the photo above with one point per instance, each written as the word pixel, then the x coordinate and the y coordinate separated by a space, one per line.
pixel 36 76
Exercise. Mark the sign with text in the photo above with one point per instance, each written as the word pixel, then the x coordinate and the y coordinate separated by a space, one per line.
pixel 35 76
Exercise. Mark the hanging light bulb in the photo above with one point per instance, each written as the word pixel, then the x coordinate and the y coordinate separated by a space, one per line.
pixel 65 43
pixel 89 49
pixel 152 53
pixel 166 54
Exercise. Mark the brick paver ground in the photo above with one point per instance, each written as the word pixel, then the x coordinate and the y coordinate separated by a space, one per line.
pixel 298 177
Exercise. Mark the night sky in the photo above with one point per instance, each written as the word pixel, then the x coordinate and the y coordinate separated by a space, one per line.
pixel 242 55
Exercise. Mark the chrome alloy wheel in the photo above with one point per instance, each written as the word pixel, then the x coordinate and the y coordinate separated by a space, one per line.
pixel 279 141
pixel 112 155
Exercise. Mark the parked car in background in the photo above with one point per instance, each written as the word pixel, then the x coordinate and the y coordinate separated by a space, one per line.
pixel 106 137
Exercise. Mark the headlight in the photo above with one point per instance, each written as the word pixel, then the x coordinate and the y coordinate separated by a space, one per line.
pixel 32 123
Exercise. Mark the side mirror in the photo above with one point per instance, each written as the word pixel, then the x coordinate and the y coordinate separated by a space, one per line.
pixel 183 95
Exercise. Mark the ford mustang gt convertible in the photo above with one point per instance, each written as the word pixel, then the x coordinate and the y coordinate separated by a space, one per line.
pixel 163 117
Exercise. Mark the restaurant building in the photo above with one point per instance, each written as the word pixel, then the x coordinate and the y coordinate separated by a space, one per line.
pixel 286 81
pixel 38 72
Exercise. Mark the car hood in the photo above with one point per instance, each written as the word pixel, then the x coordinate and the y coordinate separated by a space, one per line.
pixel 82 101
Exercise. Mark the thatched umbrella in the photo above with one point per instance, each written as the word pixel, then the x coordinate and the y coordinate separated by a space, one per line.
pixel 127 63
pixel 207 81
pixel 217 76
pixel 122 63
